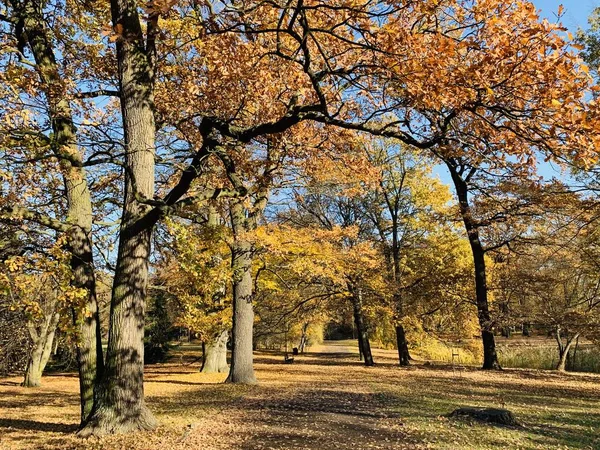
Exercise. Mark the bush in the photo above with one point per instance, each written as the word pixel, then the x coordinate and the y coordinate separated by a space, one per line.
pixel 15 342
pixel 159 331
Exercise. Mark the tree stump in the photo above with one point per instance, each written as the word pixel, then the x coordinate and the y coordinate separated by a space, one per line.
pixel 489 415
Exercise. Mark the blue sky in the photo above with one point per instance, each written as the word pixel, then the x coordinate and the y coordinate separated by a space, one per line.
pixel 576 11
pixel 574 17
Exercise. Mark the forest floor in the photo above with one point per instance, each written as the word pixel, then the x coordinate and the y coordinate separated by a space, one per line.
pixel 325 400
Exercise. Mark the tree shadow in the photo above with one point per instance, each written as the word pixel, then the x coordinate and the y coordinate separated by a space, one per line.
pixel 32 425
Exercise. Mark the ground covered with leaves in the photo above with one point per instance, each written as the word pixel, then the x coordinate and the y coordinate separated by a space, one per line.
pixel 324 400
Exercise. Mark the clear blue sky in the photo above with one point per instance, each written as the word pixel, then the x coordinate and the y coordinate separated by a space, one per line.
pixel 576 11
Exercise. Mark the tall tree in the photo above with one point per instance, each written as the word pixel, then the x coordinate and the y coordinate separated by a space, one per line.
pixel 28 17
pixel 120 405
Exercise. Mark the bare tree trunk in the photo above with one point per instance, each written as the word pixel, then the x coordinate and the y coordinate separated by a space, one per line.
pixel 490 357
pixel 215 354
pixel 242 370
pixel 303 338
pixel 43 339
pixel 79 214
pixel 120 405
pixel 361 328
pixel 402 345
pixel 563 349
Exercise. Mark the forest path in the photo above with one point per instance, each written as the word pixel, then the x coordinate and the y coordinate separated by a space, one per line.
pixel 348 346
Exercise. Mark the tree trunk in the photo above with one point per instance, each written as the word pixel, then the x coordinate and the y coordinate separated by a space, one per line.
pixel 215 355
pixel 120 405
pixel 43 339
pixel 361 328
pixel 242 370
pixel 303 338
pixel 79 213
pixel 563 350
pixel 490 357
pixel 402 344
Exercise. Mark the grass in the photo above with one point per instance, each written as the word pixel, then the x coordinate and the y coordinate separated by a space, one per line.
pixel 586 359
pixel 322 401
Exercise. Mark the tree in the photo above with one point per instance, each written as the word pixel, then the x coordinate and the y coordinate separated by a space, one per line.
pixel 401 208
pixel 554 279
pixel 120 405
pixel 38 284
pixel 31 31
pixel 194 275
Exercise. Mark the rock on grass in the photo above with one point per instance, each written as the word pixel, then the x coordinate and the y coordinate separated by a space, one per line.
pixel 490 415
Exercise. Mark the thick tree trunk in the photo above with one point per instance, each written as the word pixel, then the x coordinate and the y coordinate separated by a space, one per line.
pixel 361 328
pixel 402 345
pixel 79 213
pixel 215 355
pixel 120 405
pixel 490 357
pixel 43 338
pixel 242 370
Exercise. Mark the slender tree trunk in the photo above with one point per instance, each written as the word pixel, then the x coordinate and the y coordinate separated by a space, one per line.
pixel 563 350
pixel 79 213
pixel 303 338
pixel 361 328
pixel 242 370
pixel 120 405
pixel 215 354
pixel 401 341
pixel 43 339
pixel 490 357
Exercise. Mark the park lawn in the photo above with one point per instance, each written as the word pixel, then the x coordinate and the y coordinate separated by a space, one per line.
pixel 322 401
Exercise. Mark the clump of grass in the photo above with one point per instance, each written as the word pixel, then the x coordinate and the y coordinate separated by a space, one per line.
pixel 527 357
pixel 585 359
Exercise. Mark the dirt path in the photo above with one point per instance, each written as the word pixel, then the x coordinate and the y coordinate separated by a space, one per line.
pixel 346 347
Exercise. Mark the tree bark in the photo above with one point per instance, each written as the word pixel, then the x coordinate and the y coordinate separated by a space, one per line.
pixel 43 339
pixel 402 345
pixel 563 350
pixel 79 213
pixel 361 328
pixel 242 370
pixel 120 405
pixel 490 357
pixel 303 338
pixel 215 355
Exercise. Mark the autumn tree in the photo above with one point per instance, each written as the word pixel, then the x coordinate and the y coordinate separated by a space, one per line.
pixel 402 207
pixel 195 276
pixel 552 282
pixel 45 137
pixel 38 285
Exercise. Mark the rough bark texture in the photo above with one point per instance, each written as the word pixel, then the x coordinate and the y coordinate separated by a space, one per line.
pixel 242 370
pixel 43 338
pixel 215 355
pixel 490 357
pixel 120 405
pixel 79 214
pixel 361 328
